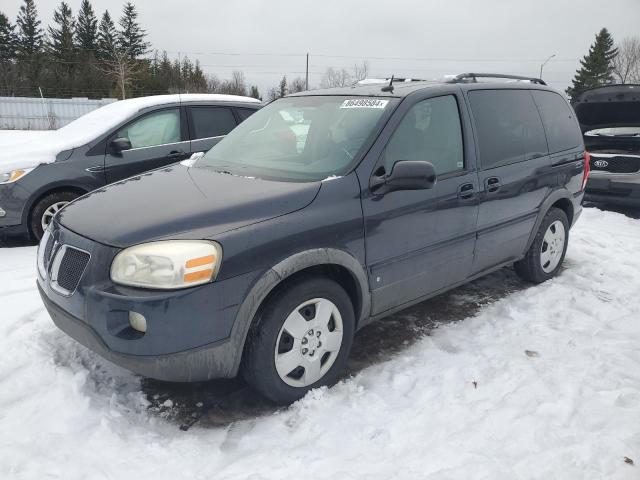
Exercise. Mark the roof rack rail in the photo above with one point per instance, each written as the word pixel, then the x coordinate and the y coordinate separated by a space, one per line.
pixel 375 81
pixel 473 77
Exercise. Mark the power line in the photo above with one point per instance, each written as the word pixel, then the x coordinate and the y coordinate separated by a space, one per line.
pixel 369 57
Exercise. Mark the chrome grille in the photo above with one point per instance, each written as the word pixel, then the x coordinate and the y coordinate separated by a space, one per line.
pixel 45 251
pixel 615 163
pixel 48 250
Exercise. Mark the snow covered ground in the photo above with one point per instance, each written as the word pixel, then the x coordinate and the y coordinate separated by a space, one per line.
pixel 542 383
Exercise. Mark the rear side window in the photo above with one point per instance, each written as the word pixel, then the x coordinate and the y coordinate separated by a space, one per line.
pixel 559 121
pixel 245 113
pixel 429 131
pixel 211 121
pixel 508 125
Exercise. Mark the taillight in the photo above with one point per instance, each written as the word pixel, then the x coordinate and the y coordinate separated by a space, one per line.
pixel 587 169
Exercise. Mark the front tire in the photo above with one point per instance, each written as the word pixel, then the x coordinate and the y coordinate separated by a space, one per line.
pixel 546 254
pixel 301 340
pixel 43 212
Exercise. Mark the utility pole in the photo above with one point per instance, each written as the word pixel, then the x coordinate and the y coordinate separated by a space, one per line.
pixel 307 76
pixel 544 63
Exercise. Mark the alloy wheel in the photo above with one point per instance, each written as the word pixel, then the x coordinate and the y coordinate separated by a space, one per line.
pixel 50 212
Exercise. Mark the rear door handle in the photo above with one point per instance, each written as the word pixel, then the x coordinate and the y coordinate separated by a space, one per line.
pixel 176 154
pixel 466 191
pixel 492 184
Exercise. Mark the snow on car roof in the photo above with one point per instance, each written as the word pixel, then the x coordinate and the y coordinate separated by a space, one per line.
pixel 94 124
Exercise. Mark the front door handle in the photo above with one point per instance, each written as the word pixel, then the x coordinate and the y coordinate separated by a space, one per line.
pixel 492 184
pixel 176 154
pixel 466 191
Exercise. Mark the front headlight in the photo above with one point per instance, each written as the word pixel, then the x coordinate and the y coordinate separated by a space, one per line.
pixel 167 265
pixel 14 175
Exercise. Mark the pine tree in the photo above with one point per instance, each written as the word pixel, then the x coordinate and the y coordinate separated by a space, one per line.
pixel 131 37
pixel 7 40
pixel 187 73
pixel 60 44
pixel 62 50
pixel 597 66
pixel 283 87
pixel 107 37
pixel 8 74
pixel 165 73
pixel 30 44
pixel 30 36
pixel 90 81
pixel 86 28
pixel 199 80
pixel 254 92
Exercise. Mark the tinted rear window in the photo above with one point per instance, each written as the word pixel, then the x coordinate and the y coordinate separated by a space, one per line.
pixel 508 125
pixel 212 121
pixel 559 121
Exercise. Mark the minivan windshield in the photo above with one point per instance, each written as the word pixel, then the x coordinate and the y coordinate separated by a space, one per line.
pixel 305 138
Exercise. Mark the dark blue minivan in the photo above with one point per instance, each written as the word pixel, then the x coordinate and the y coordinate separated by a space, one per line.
pixel 320 213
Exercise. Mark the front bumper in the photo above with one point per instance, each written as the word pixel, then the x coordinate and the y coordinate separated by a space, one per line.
pixel 188 331
pixel 12 202
pixel 618 189
pixel 198 364
pixel 13 231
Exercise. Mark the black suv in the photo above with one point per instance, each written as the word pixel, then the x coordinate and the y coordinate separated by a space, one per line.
pixel 320 213
pixel 111 143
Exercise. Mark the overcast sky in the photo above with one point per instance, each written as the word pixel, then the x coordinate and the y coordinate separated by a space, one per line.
pixel 418 38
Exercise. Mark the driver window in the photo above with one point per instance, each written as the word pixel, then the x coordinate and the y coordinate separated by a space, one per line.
pixel 157 128
pixel 430 131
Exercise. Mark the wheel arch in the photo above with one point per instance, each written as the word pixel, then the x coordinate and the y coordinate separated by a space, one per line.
pixel 566 206
pixel 561 199
pixel 39 195
pixel 336 264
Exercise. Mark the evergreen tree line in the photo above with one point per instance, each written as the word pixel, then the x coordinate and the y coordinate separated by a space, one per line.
pixel 87 56
pixel 84 56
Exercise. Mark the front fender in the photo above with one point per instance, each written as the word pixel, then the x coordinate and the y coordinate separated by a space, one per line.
pixel 280 272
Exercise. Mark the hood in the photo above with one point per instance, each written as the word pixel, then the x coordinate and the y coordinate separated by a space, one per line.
pixel 608 106
pixel 179 199
pixel 29 150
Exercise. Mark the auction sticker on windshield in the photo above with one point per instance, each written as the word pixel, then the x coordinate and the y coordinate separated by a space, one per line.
pixel 364 103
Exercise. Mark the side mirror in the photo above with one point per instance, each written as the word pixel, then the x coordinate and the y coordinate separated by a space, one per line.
pixel 406 175
pixel 120 144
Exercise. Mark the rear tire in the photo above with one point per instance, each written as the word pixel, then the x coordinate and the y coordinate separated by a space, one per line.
pixel 546 254
pixel 301 340
pixel 43 212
